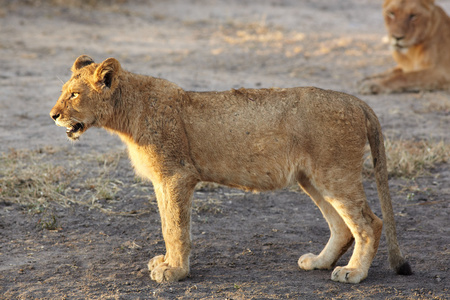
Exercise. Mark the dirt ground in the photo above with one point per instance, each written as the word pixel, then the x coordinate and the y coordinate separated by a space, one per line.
pixel 245 246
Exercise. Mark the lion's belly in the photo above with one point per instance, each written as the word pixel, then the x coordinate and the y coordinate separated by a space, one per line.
pixel 248 177
pixel 256 164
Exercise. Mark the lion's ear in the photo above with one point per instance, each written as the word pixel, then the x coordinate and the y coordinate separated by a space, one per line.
pixel 106 72
pixel 428 4
pixel 81 61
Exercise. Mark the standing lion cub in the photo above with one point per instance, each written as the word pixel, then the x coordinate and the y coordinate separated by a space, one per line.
pixel 251 139
pixel 419 36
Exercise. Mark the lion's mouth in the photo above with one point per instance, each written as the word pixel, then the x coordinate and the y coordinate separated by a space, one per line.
pixel 399 45
pixel 73 130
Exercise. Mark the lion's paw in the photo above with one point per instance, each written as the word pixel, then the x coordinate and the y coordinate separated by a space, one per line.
pixel 164 273
pixel 348 275
pixel 368 87
pixel 155 262
pixel 307 261
pixel 311 262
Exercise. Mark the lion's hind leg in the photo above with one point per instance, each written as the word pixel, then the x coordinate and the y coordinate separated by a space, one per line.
pixel 340 239
pixel 365 228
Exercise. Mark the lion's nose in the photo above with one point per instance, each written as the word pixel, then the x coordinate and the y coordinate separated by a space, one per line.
pixel 398 38
pixel 54 116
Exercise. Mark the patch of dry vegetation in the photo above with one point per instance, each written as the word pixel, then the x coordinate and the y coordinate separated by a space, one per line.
pixel 235 33
pixel 211 205
pixel 436 106
pixel 411 159
pixel 257 36
pixel 26 178
pixel 77 3
pixel 7 6
pixel 38 178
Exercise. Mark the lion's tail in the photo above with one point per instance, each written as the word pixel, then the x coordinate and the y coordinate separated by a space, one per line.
pixel 376 142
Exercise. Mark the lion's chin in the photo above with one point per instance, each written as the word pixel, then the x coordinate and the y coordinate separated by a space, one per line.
pixel 400 47
pixel 75 131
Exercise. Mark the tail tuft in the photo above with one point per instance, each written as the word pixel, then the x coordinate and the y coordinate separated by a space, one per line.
pixel 404 269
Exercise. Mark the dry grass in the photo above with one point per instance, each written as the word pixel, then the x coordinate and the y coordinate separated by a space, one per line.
pixel 256 36
pixel 411 159
pixel 7 6
pixel 26 178
pixel 211 205
pixel 442 107
pixel 39 178
pixel 77 3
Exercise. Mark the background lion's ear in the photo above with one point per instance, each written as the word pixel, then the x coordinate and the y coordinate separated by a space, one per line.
pixel 105 73
pixel 81 61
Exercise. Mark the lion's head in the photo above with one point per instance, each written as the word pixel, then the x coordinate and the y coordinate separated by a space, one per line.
pixel 408 22
pixel 84 98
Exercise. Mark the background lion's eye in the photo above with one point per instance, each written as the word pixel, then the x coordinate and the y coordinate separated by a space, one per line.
pixel 74 95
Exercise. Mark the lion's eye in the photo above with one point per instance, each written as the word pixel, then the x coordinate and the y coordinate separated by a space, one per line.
pixel 412 17
pixel 74 95
pixel 391 14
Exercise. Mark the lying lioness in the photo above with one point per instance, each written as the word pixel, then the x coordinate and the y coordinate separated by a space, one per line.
pixel 419 36
pixel 251 139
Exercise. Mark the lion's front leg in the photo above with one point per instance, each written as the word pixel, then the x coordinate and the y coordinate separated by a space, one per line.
pixel 399 81
pixel 376 84
pixel 174 201
pixel 155 262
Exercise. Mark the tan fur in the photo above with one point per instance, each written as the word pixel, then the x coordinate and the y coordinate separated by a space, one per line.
pixel 419 35
pixel 252 139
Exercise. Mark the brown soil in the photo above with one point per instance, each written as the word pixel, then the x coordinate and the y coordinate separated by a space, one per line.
pixel 246 246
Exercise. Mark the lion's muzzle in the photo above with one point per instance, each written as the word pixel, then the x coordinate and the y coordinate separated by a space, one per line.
pixel 73 128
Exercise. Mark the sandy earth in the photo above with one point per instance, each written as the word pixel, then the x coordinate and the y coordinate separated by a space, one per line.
pixel 246 246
